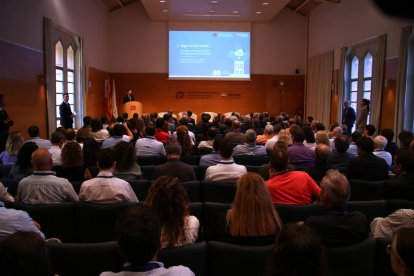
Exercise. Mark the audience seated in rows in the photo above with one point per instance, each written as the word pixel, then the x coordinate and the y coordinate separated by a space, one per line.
pixel 169 200
pixel 252 218
pixel 337 226
pixel 402 185
pixel 72 167
pixel 289 187
pixel 385 227
pixel 105 188
pixel 174 167
pixel 138 232
pixel 226 169
pixel 298 251
pixel 117 135
pixel 250 147
pixel 367 166
pixel 13 144
pixel 43 187
pixel 149 146
pixel 33 133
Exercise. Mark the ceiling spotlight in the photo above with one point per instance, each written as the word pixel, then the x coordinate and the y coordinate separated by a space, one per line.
pixel 258 12
pixel 212 11
pixel 214 2
pixel 265 3
pixel 162 1
pixel 164 10
pixel 235 12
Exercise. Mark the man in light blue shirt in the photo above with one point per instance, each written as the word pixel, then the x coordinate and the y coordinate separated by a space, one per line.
pixel 149 146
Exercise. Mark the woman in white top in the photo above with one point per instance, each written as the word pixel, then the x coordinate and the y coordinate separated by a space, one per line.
pixel 169 199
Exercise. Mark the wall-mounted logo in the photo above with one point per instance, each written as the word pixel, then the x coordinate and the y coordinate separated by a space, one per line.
pixel 179 95
pixel 132 107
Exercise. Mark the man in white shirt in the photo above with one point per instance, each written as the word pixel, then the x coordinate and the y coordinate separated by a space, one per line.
pixel 226 169
pixel 57 139
pixel 33 132
pixel 380 142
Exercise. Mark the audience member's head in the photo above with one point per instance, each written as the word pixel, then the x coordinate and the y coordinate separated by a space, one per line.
pixel 183 138
pixel 252 212
pixel 57 138
pixel 380 142
pixel 150 130
pixel 322 152
pixel 170 201
pixel 337 131
pixel 309 135
pixel 117 130
pixel 42 160
pixel 25 253
pixel 138 232
pixel 404 161
pixel 106 159
pixel 33 131
pixel 322 137
pixel 71 154
pixel 285 137
pixel 226 148
pixel 298 251
pixel 401 251
pixel 24 156
pixel 96 125
pixel 365 145
pixel 369 130
pixel 335 189
pixel 211 133
pixel 387 133
pixel 173 150
pixel 341 143
pixel 125 156
pixel 251 136
pixel 14 143
pixel 319 126
pixel 355 136
pixel 104 120
pixel 405 137
pixel 279 160
pixel 217 142
pixel 90 151
pixel 70 134
pixel 87 120
pixel 159 122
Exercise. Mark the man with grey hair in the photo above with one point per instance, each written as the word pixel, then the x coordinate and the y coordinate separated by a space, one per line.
pixel 380 142
pixel 336 132
pixel 250 147
pixel 336 226
pixel 174 167
pixel 268 133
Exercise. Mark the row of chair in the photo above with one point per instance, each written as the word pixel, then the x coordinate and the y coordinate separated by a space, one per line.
pixel 216 258
pixel 86 222
pixel 212 191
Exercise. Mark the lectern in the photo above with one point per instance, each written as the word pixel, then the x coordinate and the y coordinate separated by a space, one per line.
pixel 133 107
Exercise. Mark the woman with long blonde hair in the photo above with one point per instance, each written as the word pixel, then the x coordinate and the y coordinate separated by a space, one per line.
pixel 13 145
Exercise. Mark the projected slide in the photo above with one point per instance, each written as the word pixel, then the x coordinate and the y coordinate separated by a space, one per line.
pixel 208 54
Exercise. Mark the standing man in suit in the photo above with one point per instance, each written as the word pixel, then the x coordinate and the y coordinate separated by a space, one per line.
pixel 128 97
pixel 348 117
pixel 66 115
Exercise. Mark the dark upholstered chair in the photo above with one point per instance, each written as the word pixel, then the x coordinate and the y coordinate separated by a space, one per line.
pixel 140 187
pixel 252 160
pixel 204 151
pixel 212 213
pixel 395 204
pixel 290 213
pixel 212 191
pixel 251 168
pixel 366 190
pixel 193 189
pixel 192 256
pixel 88 259
pixel 242 260
pixel 11 185
pixel 202 171
pixel 371 209
pixel 382 259
pixel 148 171
pixel 355 260
pixel 96 222
pixel 56 220
pixel 192 160
pixel 151 160
pixel 4 170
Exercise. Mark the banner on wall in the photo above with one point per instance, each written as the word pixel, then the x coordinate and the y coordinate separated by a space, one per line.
pixel 112 108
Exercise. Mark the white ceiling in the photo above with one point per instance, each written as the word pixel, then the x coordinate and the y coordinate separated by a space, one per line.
pixel 214 10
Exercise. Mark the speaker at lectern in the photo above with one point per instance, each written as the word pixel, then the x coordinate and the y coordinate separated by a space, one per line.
pixel 133 107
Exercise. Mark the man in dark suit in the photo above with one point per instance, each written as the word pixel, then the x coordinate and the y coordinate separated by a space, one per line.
pixel 348 116
pixel 402 186
pixel 367 166
pixel 66 115
pixel 128 97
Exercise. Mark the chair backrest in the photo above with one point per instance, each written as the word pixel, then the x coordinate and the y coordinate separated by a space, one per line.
pixel 96 222
pixel 231 259
pixel 4 170
pixel 353 260
pixel 11 185
pixel 204 151
pixel 366 190
pixel 84 259
pixel 290 213
pixel 371 208
pixel 253 160
pixel 192 256
pixel 395 204
pixel 161 114
pixel 191 159
pixel 202 171
pixel 148 171
pixel 140 187
pixel 56 220
pixel 151 160
pixel 193 189
pixel 212 213
pixel 218 191
pixel 251 168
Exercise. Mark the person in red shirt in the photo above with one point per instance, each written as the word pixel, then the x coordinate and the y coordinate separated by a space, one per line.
pixel 161 135
pixel 289 187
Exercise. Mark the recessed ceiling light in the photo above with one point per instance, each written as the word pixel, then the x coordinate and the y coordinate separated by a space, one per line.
pixel 235 12
pixel 258 12
pixel 214 2
pixel 265 3
pixel 212 11
pixel 164 10
pixel 162 1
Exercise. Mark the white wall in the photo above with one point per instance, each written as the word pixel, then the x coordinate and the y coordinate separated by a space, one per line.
pixel 21 22
pixel 140 45
pixel 333 26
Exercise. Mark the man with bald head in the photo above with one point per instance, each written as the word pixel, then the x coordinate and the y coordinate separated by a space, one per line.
pixel 43 187
pixel 336 226
pixel 320 166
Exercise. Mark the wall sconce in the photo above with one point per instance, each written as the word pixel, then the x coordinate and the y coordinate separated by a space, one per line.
pixel 282 86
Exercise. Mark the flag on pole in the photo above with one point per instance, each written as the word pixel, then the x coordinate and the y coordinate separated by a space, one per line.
pixel 114 108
